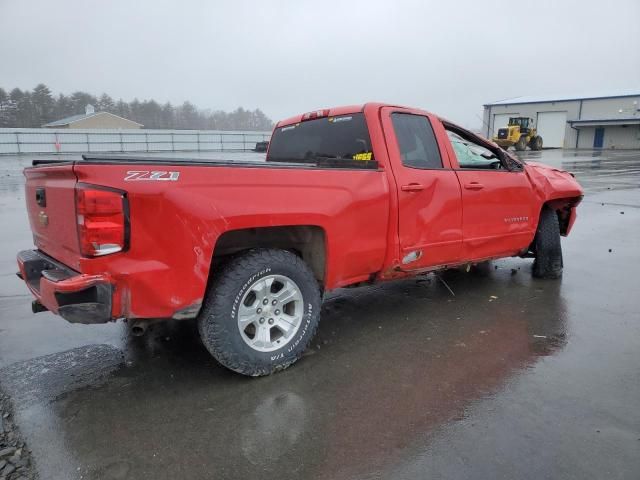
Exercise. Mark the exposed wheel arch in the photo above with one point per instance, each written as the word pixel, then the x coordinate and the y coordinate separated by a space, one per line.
pixel 563 208
pixel 306 241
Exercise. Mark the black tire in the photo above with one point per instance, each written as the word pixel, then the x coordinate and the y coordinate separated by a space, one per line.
pixel 536 143
pixel 218 319
pixel 521 144
pixel 505 148
pixel 547 247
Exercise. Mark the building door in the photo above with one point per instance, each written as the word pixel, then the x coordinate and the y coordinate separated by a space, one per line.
pixel 598 137
pixel 551 127
pixel 500 120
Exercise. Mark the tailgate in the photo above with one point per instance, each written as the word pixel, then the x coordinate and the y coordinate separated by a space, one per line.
pixel 50 195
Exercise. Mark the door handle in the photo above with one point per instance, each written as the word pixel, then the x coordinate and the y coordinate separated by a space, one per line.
pixel 412 187
pixel 474 186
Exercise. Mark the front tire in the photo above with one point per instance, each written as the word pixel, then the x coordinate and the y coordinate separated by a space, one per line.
pixel 536 143
pixel 547 247
pixel 261 312
pixel 521 144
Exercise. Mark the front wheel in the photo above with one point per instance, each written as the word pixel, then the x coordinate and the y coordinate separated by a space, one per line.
pixel 547 247
pixel 536 143
pixel 261 312
pixel 521 144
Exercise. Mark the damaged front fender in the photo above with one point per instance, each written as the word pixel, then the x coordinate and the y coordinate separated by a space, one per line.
pixel 557 189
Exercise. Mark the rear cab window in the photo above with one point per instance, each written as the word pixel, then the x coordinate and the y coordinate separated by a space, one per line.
pixel 342 139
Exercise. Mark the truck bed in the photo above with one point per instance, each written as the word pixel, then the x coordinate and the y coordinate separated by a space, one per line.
pixel 174 226
pixel 327 163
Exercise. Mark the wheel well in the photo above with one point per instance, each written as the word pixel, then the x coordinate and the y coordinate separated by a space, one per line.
pixel 562 207
pixel 306 241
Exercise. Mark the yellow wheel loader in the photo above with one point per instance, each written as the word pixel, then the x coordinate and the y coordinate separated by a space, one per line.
pixel 520 133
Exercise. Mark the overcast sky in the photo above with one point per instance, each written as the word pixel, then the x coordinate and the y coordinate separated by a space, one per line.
pixel 288 57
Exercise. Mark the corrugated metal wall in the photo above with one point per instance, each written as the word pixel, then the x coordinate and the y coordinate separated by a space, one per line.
pixel 606 109
pixel 47 140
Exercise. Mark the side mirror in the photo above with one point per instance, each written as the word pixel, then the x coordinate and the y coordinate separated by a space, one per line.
pixel 509 161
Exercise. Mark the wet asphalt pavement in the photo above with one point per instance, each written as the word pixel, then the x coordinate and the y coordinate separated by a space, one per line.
pixel 510 378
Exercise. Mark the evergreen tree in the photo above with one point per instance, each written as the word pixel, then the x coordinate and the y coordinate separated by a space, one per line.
pixel 43 104
pixel 63 107
pixel 187 116
pixel 134 111
pixel 168 116
pixel 122 109
pixel 33 109
pixel 80 100
pixel 7 110
pixel 106 104
pixel 151 114
pixel 24 108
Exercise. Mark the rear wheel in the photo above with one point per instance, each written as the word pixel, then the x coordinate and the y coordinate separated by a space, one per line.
pixel 261 312
pixel 521 144
pixel 547 247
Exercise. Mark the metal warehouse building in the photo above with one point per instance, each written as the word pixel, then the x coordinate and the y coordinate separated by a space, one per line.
pixel 590 121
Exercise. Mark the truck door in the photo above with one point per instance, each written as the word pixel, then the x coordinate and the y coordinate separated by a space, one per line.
pixel 429 197
pixel 497 198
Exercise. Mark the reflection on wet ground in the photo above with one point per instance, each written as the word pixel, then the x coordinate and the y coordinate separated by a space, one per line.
pixel 509 377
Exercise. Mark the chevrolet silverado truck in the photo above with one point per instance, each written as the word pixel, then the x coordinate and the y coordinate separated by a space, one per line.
pixel 346 196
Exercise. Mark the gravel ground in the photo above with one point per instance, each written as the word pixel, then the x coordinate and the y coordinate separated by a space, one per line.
pixel 15 456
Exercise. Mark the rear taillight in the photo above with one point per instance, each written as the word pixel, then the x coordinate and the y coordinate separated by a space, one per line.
pixel 102 220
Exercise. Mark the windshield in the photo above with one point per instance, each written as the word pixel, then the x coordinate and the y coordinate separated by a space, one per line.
pixel 519 121
pixel 344 137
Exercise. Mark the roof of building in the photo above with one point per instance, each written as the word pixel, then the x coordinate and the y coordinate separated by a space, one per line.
pixel 634 92
pixel 604 121
pixel 82 116
pixel 68 120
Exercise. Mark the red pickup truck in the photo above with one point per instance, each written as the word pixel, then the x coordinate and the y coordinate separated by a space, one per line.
pixel 346 196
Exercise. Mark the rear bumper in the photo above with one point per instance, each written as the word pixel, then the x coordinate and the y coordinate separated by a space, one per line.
pixel 76 297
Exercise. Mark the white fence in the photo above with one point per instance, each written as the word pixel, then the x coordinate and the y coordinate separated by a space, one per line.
pixel 48 140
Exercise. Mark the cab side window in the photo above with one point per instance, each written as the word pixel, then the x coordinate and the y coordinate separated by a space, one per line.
pixel 473 154
pixel 416 140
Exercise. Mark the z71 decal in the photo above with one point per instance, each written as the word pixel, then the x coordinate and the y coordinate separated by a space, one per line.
pixel 160 176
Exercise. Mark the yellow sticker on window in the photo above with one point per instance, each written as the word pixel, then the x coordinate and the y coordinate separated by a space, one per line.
pixel 363 156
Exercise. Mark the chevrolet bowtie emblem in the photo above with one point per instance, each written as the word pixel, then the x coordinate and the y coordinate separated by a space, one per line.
pixel 43 218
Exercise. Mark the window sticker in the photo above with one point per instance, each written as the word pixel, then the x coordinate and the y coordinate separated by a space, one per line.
pixel 290 127
pixel 339 119
pixel 363 156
